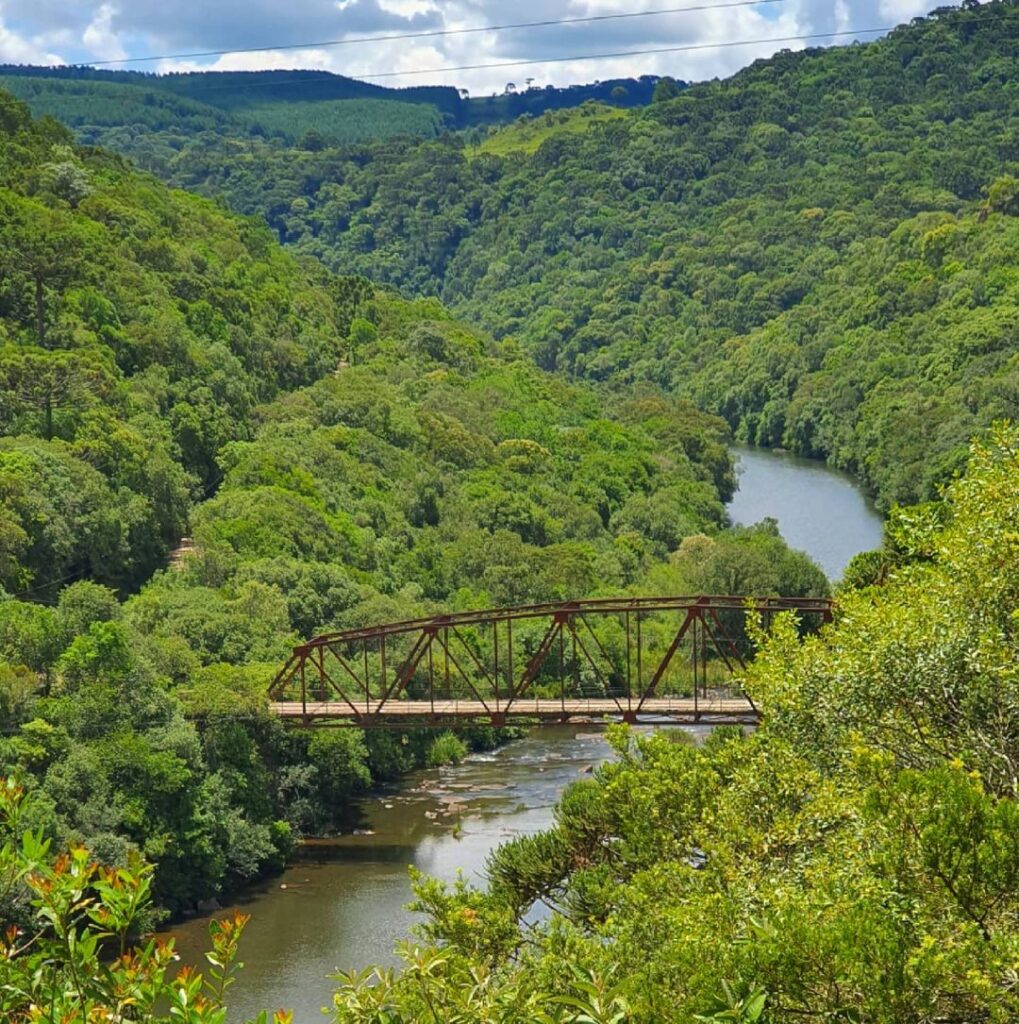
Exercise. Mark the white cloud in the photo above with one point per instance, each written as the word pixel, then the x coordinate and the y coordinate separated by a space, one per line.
pixel 17 48
pixel 99 37
pixel 319 60
pixel 107 30
pixel 903 10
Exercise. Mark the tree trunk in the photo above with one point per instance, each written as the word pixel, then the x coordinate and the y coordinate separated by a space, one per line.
pixel 40 311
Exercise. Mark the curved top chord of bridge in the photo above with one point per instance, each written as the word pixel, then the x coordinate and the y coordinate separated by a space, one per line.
pixel 677 659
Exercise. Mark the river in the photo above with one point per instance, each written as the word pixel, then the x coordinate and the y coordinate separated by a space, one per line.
pixel 342 903
pixel 819 510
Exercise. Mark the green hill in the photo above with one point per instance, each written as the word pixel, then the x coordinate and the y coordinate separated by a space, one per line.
pixel 822 250
pixel 756 244
pixel 144 106
pixel 135 112
pixel 853 859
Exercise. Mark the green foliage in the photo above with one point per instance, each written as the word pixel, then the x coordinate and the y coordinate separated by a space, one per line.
pixel 528 135
pixel 336 455
pixel 665 90
pixel 747 560
pixel 139 105
pixel 56 961
pixel 313 125
pixel 447 748
pixel 1003 196
pixel 154 115
pixel 340 759
pixel 140 327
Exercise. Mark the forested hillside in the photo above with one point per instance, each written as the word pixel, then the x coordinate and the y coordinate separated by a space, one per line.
pixel 337 455
pixel 502 369
pixel 139 329
pixel 820 238
pixel 142 114
pixel 121 110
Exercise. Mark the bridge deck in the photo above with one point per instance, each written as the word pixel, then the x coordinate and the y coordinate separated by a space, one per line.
pixel 448 712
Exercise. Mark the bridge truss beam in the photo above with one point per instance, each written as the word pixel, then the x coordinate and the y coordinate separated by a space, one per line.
pixel 673 658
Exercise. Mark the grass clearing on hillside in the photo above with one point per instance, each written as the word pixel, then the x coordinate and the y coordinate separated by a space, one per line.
pixel 527 135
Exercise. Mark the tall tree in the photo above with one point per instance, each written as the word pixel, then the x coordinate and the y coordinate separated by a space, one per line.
pixel 43 249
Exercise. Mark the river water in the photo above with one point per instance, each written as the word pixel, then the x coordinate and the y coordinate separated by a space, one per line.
pixel 342 903
pixel 819 510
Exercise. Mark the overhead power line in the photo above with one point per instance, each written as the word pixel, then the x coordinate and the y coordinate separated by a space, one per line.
pixel 685 48
pixel 723 44
pixel 434 33
pixel 325 75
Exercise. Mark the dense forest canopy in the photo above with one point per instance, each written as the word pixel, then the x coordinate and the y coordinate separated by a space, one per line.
pixel 855 859
pixel 819 252
pixel 803 248
pixel 335 454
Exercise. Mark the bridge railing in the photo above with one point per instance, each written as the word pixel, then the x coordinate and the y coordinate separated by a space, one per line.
pixel 625 653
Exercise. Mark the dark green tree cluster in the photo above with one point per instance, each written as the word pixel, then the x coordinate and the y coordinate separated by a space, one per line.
pixel 815 249
pixel 124 115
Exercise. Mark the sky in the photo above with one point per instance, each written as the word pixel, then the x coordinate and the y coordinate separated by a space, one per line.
pixel 87 31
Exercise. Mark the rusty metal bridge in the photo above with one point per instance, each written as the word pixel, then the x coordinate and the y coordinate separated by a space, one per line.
pixel 674 659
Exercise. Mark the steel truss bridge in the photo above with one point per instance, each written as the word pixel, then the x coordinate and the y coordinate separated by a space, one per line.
pixel 672 659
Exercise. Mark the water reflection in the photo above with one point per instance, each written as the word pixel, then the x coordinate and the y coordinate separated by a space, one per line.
pixel 819 510
pixel 342 903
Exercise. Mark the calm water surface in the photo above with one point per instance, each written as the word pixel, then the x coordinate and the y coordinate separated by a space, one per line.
pixel 342 904
pixel 819 510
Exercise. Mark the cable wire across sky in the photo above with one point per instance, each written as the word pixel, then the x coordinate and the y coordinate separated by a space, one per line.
pixel 435 33
pixel 325 75
pixel 720 44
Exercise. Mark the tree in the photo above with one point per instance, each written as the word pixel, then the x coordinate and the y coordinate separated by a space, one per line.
pixel 53 382
pixel 665 89
pixel 72 912
pixel 340 759
pixel 46 247
pixel 65 177
pixel 1003 196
